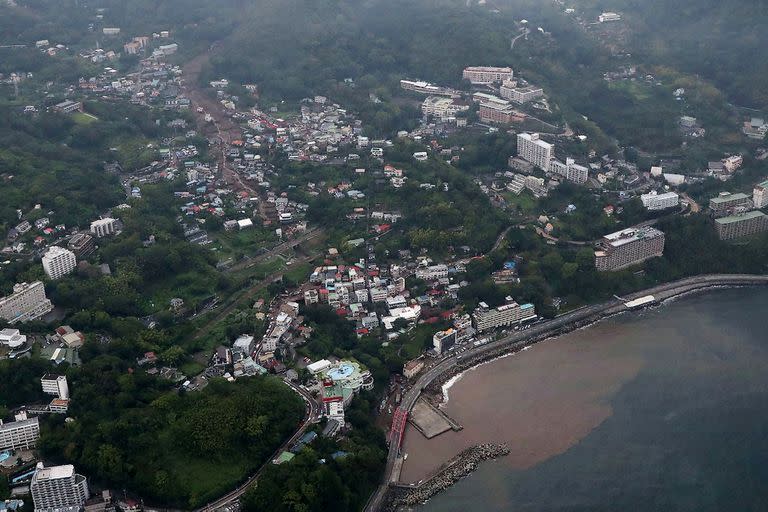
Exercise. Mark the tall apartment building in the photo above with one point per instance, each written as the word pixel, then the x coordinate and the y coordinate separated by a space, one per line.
pixel 58 262
pixel 628 247
pixel 442 341
pixel 745 224
pixel 486 318
pixel 104 227
pixel 569 170
pixel 58 489
pixel 760 195
pixel 55 385
pixel 655 201
pixel 496 113
pixel 82 245
pixel 486 74
pixel 521 95
pixel 726 202
pixel 20 434
pixel 27 302
pixel 530 147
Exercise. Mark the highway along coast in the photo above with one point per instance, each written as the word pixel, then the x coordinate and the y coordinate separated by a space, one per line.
pixel 429 383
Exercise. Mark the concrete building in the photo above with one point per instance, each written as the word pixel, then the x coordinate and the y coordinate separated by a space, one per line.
pixel 745 224
pixel 531 148
pixel 496 113
pixel 760 195
pixel 569 170
pixel 521 95
pixel 27 302
pixel 726 203
pixel 442 341
pixel 104 227
pixel 58 489
pixel 486 74
pixel 432 272
pixel 20 434
pixel 55 385
pixel 428 88
pixel 413 367
pixel 12 338
pixel 655 201
pixel 486 318
pixel 608 16
pixel 628 247
pixel 82 245
pixel 441 107
pixel 58 262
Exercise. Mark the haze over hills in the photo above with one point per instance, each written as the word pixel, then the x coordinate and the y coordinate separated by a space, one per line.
pixel 249 239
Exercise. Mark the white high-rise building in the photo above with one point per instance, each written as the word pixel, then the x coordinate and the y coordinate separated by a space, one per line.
pixel 570 170
pixel 104 227
pixel 58 489
pixel 55 385
pixel 58 262
pixel 486 318
pixel 20 434
pixel 27 302
pixel 530 147
pixel 760 195
pixel 655 201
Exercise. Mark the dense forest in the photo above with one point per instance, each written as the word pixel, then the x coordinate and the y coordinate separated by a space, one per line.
pixel 180 450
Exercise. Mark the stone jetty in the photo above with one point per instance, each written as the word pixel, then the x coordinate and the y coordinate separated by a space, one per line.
pixel 450 473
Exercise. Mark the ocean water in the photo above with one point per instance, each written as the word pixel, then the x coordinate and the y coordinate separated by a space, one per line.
pixel 665 410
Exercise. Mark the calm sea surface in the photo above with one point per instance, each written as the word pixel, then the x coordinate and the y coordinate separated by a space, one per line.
pixel 664 410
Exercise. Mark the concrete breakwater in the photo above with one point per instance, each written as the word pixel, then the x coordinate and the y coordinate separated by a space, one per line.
pixel 450 473
pixel 430 382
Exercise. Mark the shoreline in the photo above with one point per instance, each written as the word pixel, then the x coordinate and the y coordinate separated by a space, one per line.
pixel 445 381
pixel 450 370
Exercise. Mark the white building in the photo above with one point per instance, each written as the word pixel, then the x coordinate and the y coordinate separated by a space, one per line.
pixel 55 385
pixel 28 302
pixel 486 318
pixel 318 366
pixel 486 74
pixel 760 195
pixel 441 107
pixel 570 170
pixel 510 91
pixel 608 16
pixel 104 227
pixel 655 201
pixel 243 344
pixel 432 272
pixel 531 148
pixel 20 434
pixel 58 489
pixel 12 338
pixel 58 262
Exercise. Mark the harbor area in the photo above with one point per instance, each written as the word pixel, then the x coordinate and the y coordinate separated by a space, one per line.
pixel 431 421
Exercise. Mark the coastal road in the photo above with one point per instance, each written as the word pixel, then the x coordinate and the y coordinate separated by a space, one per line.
pixel 543 330
pixel 313 413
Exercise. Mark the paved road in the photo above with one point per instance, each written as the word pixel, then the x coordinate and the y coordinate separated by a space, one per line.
pixel 539 331
pixel 313 413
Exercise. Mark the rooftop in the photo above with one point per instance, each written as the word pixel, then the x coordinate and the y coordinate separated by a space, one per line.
pixel 738 218
pixel 628 235
pixel 729 197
